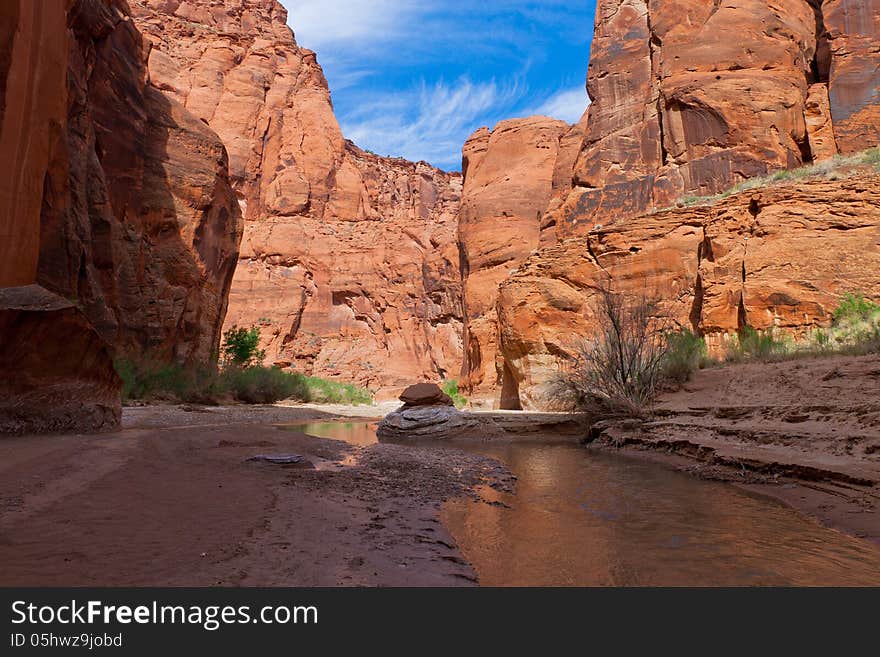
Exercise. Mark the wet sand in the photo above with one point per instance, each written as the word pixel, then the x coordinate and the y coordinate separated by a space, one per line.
pixel 805 432
pixel 172 501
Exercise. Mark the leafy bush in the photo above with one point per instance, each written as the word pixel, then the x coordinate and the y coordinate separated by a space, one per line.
pixel 686 352
pixel 854 307
pixel 265 385
pixel 199 384
pixel 241 347
pixel 450 387
pixel 323 391
pixel 617 374
pixel 751 344
pixel 855 327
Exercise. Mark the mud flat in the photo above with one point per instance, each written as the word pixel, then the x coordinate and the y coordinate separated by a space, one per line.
pixel 172 500
pixel 806 432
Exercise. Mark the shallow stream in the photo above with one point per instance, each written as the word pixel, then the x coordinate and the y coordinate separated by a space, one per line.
pixel 579 518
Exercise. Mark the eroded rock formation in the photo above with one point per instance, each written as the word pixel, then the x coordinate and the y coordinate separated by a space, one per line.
pixel 510 177
pixel 139 222
pixel 120 228
pixel 350 263
pixel 690 97
pixel 853 32
pixel 774 257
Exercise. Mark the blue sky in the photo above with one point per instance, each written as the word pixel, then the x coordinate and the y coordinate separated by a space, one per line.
pixel 414 78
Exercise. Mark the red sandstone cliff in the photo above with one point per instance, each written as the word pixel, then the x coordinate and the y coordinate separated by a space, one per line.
pixel 350 261
pixel 119 223
pixel 692 97
pixel 510 176
pixel 775 257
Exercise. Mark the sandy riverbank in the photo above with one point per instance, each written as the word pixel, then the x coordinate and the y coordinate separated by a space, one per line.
pixel 806 432
pixel 171 500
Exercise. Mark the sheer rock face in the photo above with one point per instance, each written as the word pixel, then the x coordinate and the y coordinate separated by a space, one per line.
pixel 350 264
pixel 56 374
pixel 120 228
pixel 510 176
pixel 691 97
pixel 775 257
pixel 853 33
pixel 139 222
pixel 375 299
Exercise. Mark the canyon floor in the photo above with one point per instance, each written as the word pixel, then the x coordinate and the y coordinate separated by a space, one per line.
pixel 805 431
pixel 173 500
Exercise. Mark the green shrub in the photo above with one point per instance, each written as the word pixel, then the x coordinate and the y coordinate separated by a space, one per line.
pixel 855 327
pixel 872 156
pixel 241 347
pixel 323 391
pixel 751 344
pixel 197 384
pixel 854 307
pixel 686 352
pixel 265 385
pixel 450 387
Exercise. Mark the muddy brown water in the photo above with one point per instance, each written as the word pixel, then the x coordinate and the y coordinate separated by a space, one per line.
pixel 582 518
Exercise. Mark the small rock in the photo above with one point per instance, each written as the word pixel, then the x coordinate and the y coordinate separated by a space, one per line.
pixel 425 394
pixel 283 459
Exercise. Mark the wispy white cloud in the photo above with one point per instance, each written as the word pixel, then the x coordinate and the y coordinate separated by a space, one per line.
pixel 328 23
pixel 498 54
pixel 566 104
pixel 430 122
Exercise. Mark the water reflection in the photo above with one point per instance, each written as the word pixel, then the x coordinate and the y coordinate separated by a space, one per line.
pixel 355 433
pixel 582 518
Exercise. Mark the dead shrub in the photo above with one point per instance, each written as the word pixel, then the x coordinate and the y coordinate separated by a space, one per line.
pixel 618 371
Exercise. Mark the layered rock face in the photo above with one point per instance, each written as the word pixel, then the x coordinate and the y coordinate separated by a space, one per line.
pixel 375 298
pixel 853 32
pixel 691 97
pixel 350 264
pixel 56 374
pixel 139 221
pixel 775 257
pixel 510 177
pixel 120 227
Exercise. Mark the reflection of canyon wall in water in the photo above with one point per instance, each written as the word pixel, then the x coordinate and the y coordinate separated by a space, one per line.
pixel 690 98
pixel 349 263
pixel 118 216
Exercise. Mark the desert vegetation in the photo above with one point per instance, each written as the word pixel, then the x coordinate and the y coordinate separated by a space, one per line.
pixel 634 354
pixel 450 387
pixel 620 370
pixel 238 376
pixel 835 168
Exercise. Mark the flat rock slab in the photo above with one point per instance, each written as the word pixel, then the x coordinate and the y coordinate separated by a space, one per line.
pixel 282 459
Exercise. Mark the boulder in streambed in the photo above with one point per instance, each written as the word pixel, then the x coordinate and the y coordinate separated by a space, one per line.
pixel 427 412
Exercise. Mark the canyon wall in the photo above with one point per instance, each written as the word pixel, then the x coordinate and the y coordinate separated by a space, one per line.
pixel 349 264
pixel 690 98
pixel 510 176
pixel 778 257
pixel 120 225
